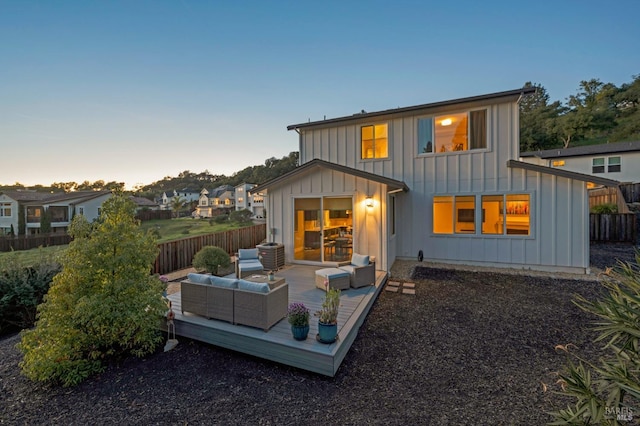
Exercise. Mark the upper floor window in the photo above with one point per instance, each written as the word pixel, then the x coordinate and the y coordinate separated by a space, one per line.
pixel 557 163
pixel 375 142
pixel 613 164
pixel 452 132
pixel 598 165
pixel 5 209
pixel 240 199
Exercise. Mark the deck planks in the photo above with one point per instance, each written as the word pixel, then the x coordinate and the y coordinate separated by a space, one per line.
pixel 277 344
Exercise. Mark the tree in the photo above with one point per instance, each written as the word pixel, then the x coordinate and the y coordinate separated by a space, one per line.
pixel 177 203
pixel 210 258
pixel 240 216
pixel 612 388
pixel 22 223
pixel 537 120
pixel 103 304
pixel 628 112
pixel 45 221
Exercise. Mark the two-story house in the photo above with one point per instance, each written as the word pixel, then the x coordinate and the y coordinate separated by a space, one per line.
pixel 187 195
pixel 246 200
pixel 438 181
pixel 62 207
pixel 218 200
pixel 617 160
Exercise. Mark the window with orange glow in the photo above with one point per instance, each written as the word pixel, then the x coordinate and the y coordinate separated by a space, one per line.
pixel 557 163
pixel 374 141
pixel 452 132
pixel 443 215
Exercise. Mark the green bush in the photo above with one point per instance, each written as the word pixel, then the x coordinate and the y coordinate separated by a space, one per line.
pixel 241 216
pixel 22 289
pixel 223 218
pixel 606 208
pixel 611 388
pixel 210 258
pixel 103 304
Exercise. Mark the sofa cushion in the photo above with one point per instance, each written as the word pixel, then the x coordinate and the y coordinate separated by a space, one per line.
pixel 224 282
pixel 250 265
pixel 199 278
pixel 348 268
pixel 245 254
pixel 255 287
pixel 359 259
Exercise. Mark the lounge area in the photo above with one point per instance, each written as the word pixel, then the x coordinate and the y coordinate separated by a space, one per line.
pixel 277 344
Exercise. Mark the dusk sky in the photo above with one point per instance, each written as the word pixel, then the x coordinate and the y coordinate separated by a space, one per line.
pixel 134 91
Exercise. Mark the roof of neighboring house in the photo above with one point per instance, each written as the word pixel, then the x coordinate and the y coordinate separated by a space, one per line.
pixel 143 202
pixel 391 183
pixel 217 192
pixel 515 94
pixel 35 198
pixel 563 173
pixel 578 151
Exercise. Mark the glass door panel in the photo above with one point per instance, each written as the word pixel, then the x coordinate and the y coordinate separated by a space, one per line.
pixel 337 231
pixel 307 229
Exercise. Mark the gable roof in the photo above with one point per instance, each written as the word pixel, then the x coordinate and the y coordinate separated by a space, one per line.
pixel 317 163
pixel 364 116
pixel 515 164
pixel 35 198
pixel 578 151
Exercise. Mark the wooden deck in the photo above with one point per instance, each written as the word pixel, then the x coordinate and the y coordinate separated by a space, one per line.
pixel 277 344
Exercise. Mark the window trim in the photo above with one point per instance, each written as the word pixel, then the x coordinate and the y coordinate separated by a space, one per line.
pixel 432 117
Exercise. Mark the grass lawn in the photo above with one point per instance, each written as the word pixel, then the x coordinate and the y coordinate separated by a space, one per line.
pixel 168 230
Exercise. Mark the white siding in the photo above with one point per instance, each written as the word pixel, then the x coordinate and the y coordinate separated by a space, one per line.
pixel 558 237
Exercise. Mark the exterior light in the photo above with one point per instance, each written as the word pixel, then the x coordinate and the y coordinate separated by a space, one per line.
pixel 368 202
pixel 446 122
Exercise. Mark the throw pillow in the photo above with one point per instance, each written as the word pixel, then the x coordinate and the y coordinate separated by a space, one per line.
pixel 224 282
pixel 255 287
pixel 244 254
pixel 359 259
pixel 199 278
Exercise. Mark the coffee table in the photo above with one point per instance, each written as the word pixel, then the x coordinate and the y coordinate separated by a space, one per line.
pixel 265 279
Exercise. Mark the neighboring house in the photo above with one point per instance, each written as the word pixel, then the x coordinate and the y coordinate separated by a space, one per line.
pixel 62 206
pixel 249 201
pixel 616 160
pixel 439 181
pixel 216 200
pixel 186 194
pixel 144 203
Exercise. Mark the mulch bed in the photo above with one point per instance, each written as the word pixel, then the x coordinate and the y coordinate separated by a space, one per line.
pixel 468 348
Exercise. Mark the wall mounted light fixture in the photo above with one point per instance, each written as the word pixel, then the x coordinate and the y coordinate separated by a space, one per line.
pixel 368 202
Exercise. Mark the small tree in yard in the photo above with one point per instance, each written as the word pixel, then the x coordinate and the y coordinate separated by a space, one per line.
pixel 209 258
pixel 241 216
pixel 609 392
pixel 104 303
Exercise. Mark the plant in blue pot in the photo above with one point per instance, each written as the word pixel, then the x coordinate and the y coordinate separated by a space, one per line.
pixel 298 316
pixel 328 316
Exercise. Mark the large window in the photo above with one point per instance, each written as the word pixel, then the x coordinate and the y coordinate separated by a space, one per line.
pixel 5 209
pixel 375 142
pixel 500 214
pixel 452 132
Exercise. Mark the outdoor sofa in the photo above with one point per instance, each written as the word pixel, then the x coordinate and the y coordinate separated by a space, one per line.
pixel 234 300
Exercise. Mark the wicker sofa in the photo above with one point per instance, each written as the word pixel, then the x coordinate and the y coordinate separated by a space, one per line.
pixel 236 301
pixel 362 270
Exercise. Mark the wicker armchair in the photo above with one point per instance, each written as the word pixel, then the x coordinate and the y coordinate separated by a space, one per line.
pixel 362 270
pixel 261 310
pixel 248 262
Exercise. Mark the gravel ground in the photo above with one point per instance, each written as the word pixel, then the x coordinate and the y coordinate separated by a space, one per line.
pixel 470 347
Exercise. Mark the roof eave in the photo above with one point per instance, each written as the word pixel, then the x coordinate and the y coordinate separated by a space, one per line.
pixel 515 164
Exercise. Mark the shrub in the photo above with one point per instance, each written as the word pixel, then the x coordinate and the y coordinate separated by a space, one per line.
pixel 610 391
pixel 210 258
pixel 241 216
pixel 223 218
pixel 22 289
pixel 606 208
pixel 103 304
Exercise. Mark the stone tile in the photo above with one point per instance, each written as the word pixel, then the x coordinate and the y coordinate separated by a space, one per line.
pixel 394 283
pixel 408 291
pixel 409 285
pixel 391 289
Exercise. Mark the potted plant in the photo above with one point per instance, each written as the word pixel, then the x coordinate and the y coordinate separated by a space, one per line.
pixel 298 316
pixel 328 316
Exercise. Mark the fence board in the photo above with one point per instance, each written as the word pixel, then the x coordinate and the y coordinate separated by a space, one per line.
pixel 618 227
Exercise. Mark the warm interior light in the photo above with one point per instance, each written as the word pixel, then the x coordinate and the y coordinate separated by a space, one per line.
pixel 446 122
pixel 368 202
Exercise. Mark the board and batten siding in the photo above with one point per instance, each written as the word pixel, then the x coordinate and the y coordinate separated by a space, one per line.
pixel 559 230
pixel 368 227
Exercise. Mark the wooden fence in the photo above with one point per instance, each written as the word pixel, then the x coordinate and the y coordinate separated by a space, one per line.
pixel 175 255
pixel 33 241
pixel 631 192
pixel 618 227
